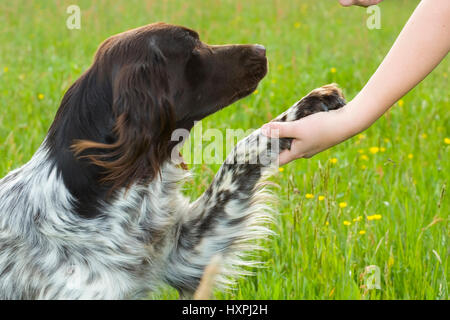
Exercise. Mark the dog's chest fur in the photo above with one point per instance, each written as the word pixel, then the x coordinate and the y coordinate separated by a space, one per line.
pixel 49 250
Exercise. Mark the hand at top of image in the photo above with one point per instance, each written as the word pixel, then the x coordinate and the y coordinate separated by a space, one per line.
pixel 361 3
pixel 423 43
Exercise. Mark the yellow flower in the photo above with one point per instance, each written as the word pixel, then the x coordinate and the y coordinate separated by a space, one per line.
pixel 364 157
pixel 40 96
pixel 382 149
pixel 401 103
pixel 297 25
pixel 327 223
pixel 5 69
pixel 256 91
pixel 309 196
pixel 447 140
pixel 424 136
pixel 347 223
pixel 374 150
pixel 410 156
pixel 361 151
pixel 281 169
pixel 362 232
pixel 333 70
pixel 342 204
pixel 331 292
pixel 374 217
pixel 361 136
pixel 321 198
pixel 333 160
pixel 364 167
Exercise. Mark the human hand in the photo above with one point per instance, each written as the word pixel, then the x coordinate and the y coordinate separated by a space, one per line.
pixel 312 134
pixel 361 3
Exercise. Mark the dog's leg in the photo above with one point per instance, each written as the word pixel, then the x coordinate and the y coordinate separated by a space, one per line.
pixel 231 214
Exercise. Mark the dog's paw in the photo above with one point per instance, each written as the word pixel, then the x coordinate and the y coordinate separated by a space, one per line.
pixel 326 98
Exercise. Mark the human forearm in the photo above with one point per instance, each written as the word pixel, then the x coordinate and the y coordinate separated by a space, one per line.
pixel 422 44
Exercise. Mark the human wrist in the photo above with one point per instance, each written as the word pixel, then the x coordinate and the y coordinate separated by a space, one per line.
pixel 350 120
pixel 362 111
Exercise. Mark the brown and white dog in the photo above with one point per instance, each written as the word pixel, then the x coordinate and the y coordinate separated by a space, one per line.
pixel 98 213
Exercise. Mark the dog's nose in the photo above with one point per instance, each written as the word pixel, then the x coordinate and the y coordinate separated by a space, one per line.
pixel 260 50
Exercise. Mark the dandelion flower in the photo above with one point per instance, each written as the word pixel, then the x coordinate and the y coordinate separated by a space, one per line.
pixel 5 69
pixel 382 149
pixel 342 205
pixel 447 140
pixel 424 136
pixel 364 157
pixel 333 160
pixel 347 223
pixel 374 217
pixel 321 198
pixel 362 232
pixel 309 196
pixel 333 70
pixel 327 223
pixel 410 156
pixel 297 25
pixel 256 91
pixel 401 103
pixel 281 169
pixel 40 96
pixel 361 136
pixel 374 150
pixel 364 167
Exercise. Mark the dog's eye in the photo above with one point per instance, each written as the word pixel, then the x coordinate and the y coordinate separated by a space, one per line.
pixel 195 52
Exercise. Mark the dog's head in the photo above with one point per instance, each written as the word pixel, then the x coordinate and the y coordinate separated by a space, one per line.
pixel 143 84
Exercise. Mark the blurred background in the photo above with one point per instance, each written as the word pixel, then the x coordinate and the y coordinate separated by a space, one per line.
pixel 378 199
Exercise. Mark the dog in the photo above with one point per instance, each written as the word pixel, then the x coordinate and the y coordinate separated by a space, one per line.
pixel 98 212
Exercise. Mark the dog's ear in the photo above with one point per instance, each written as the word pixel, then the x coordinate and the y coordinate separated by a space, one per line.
pixel 144 121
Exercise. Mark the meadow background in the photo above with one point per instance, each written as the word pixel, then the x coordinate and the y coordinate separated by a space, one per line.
pixel 380 198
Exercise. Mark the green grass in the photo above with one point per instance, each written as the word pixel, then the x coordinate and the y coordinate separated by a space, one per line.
pixel 305 39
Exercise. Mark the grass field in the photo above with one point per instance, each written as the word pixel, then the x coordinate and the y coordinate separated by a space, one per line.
pixel 378 199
